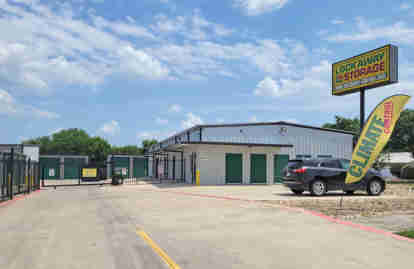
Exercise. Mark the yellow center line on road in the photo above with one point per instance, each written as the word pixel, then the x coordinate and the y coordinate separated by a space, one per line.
pixel 158 250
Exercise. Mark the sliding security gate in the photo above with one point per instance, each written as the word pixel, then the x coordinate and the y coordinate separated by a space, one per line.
pixel 234 168
pixel 73 167
pixel 121 165
pixel 279 163
pixel 50 167
pixel 258 173
pixel 140 167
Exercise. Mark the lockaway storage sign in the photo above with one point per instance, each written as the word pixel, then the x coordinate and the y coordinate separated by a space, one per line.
pixel 375 135
pixel 369 70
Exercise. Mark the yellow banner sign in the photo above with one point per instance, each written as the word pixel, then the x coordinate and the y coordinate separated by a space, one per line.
pixel 369 70
pixel 89 172
pixel 375 135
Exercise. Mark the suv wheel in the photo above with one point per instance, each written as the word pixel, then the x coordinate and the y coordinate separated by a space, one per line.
pixel 318 188
pixel 298 192
pixel 375 187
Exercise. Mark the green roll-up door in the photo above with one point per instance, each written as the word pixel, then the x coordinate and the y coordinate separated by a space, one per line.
pixel 72 167
pixel 258 173
pixel 51 167
pixel 279 163
pixel 140 167
pixel 121 165
pixel 234 168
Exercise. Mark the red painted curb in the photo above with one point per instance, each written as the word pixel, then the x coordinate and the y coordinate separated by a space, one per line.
pixel 309 212
pixel 20 197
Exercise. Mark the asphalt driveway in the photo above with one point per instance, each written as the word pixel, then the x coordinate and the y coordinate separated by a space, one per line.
pixel 206 227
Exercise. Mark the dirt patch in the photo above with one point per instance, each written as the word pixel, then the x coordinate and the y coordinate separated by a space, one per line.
pixel 397 199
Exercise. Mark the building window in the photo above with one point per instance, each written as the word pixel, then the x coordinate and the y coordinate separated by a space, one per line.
pixel 303 156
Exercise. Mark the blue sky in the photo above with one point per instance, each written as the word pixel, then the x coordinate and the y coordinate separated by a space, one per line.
pixel 130 70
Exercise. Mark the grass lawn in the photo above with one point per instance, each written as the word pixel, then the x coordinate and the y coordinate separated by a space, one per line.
pixel 409 233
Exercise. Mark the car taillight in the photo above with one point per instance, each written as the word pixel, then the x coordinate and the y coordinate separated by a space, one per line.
pixel 299 171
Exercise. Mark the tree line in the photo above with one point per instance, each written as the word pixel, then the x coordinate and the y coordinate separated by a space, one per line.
pixel 402 138
pixel 78 142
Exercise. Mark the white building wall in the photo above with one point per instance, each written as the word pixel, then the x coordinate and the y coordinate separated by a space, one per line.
pixel 31 152
pixel 211 162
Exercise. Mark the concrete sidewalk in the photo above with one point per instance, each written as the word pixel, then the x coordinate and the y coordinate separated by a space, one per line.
pixel 95 227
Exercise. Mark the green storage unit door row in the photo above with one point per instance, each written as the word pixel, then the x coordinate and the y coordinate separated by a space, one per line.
pixel 140 167
pixel 50 167
pixel 258 168
pixel 234 168
pixel 72 167
pixel 279 163
pixel 121 165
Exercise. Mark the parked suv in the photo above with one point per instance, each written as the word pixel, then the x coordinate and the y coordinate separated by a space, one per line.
pixel 318 176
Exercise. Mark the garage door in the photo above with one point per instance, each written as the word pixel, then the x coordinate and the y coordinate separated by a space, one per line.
pixel 140 167
pixel 234 168
pixel 258 168
pixel 279 163
pixel 51 167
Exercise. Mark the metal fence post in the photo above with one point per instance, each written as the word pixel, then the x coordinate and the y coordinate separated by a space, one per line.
pixel 11 173
pixel 42 174
pixel 29 176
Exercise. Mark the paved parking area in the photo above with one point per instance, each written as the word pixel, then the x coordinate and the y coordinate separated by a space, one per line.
pixel 96 227
pixel 257 192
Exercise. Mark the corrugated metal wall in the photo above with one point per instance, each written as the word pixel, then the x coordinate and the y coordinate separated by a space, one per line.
pixel 305 141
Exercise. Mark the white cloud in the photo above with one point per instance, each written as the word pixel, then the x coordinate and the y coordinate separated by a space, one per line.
pixel 11 107
pixel 138 62
pixel 253 119
pixel 337 21
pixel 160 121
pixel 123 28
pixel 110 128
pixel 364 31
pixel 194 27
pixel 257 7
pixel 44 48
pixel 157 135
pixel 191 121
pixel 267 87
pixel 405 6
pixel 220 120
pixel 175 108
pixel 204 58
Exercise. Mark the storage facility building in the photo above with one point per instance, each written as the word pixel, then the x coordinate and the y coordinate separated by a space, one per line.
pixel 244 153
pixel 62 166
pixel 132 166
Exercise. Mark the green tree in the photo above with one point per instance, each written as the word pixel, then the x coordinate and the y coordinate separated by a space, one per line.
pixel 73 141
pixel 98 149
pixel 129 149
pixel 402 138
pixel 147 143
pixel 344 124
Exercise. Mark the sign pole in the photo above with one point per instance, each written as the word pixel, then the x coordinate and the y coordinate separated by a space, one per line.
pixel 362 110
